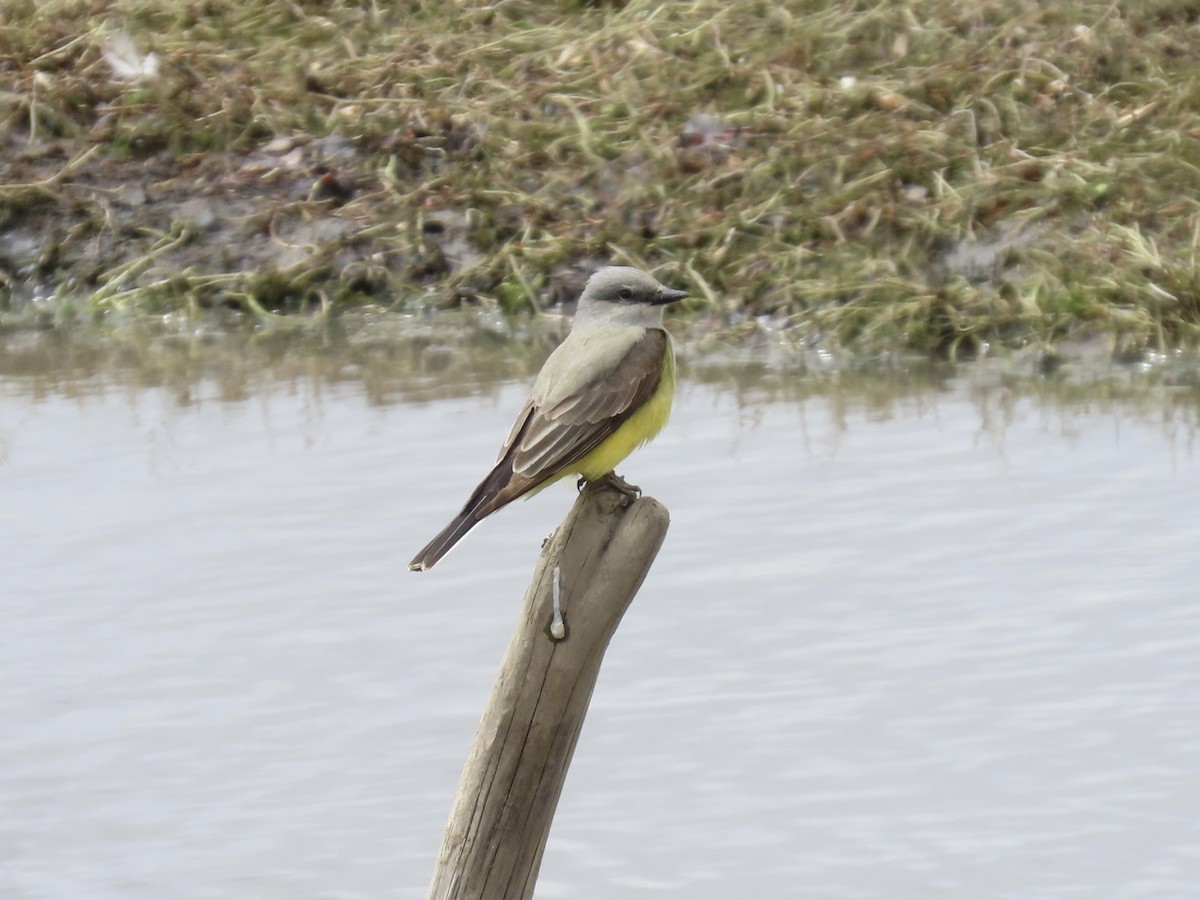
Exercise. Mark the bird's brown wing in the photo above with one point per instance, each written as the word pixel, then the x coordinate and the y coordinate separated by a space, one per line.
pixel 550 439
pixel 563 433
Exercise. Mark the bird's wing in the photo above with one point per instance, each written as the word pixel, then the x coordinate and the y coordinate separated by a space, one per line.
pixel 564 429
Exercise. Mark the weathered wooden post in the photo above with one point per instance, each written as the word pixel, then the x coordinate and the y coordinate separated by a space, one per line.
pixel 509 789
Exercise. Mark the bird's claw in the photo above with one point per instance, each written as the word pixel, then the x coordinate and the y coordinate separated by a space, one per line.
pixel 629 492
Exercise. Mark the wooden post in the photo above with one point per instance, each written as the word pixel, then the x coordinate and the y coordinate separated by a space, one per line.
pixel 493 844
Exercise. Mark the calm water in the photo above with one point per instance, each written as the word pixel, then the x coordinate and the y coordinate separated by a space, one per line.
pixel 908 637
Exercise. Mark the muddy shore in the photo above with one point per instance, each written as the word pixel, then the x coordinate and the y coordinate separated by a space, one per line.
pixel 945 179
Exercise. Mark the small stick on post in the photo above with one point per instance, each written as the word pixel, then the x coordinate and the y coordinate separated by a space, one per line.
pixel 509 789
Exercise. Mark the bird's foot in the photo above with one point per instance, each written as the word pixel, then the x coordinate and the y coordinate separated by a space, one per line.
pixel 612 480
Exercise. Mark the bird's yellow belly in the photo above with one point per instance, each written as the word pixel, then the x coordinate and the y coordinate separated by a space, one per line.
pixel 635 431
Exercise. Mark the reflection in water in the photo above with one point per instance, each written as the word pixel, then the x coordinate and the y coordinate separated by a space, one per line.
pixel 921 632
pixel 397 359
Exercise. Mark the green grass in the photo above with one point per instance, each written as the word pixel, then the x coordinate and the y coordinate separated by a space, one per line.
pixel 858 153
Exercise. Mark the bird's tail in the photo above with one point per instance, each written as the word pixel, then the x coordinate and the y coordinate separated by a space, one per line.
pixel 446 539
pixel 493 492
pixel 499 489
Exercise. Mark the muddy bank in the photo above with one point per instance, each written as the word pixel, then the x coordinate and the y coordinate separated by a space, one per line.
pixel 290 227
pixel 945 178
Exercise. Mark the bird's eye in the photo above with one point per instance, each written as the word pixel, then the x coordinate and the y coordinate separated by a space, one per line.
pixel 626 294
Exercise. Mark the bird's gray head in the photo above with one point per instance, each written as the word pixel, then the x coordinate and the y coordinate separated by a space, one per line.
pixel 623 295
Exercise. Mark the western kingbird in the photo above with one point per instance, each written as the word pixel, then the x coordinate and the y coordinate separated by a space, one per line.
pixel 604 391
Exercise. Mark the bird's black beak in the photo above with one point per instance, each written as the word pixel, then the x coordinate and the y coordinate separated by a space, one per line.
pixel 667 295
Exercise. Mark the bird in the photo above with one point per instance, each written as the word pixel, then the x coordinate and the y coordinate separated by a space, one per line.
pixel 606 390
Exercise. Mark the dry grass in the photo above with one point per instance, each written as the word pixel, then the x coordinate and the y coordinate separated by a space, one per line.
pixel 939 175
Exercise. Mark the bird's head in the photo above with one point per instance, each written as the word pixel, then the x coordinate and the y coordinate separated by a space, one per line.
pixel 626 296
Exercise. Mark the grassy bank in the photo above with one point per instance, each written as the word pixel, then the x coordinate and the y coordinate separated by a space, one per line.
pixel 935 176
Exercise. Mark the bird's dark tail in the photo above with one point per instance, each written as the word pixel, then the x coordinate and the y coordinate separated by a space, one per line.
pixel 500 488
pixel 446 539
pixel 497 490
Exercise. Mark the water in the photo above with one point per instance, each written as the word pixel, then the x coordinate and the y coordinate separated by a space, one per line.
pixel 911 636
